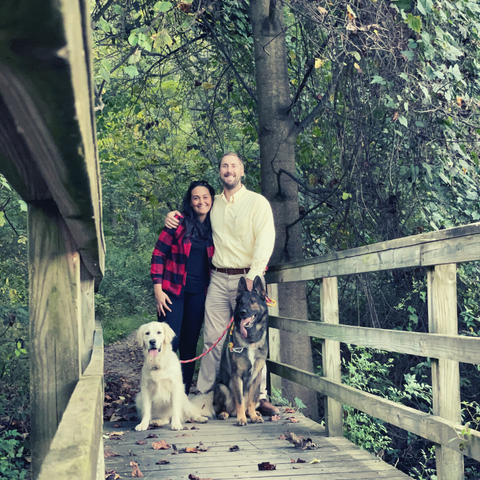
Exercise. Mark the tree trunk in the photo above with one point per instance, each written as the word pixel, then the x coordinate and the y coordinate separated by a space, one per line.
pixel 277 151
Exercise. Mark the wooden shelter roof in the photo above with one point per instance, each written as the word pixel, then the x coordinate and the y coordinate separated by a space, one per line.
pixel 48 151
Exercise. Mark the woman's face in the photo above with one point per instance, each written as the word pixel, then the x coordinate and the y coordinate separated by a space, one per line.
pixel 201 202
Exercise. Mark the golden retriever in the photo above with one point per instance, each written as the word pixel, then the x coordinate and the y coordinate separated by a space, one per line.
pixel 162 397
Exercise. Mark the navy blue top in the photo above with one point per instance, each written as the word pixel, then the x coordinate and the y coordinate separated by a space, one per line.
pixel 197 267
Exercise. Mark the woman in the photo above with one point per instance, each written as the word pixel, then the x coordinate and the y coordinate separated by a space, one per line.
pixel 180 272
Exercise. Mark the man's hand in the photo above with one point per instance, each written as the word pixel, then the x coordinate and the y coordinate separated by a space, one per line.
pixel 162 299
pixel 249 284
pixel 171 221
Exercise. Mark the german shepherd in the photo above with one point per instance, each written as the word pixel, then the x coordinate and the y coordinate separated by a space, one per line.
pixel 237 386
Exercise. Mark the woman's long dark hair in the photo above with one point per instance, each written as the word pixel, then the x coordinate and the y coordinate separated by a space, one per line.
pixel 196 229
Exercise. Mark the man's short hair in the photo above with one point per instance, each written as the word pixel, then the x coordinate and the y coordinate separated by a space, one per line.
pixel 231 154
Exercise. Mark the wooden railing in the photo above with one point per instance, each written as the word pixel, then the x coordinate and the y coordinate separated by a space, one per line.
pixel 48 154
pixel 76 451
pixel 440 252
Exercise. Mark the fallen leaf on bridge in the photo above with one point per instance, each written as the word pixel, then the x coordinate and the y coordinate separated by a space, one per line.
pixel 194 428
pixel 161 445
pixel 293 419
pixel 151 435
pixel 315 461
pixel 194 477
pixel 109 453
pixel 141 442
pixel 162 462
pixel 183 435
pixel 275 418
pixel 290 410
pixel 111 475
pixel 300 442
pixel 235 448
pixel 136 473
pixel 267 466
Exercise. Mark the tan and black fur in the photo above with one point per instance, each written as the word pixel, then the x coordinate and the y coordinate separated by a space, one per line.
pixel 237 386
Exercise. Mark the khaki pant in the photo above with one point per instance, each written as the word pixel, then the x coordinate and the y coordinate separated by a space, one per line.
pixel 219 307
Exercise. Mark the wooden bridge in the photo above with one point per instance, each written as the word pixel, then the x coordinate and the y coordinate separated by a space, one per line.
pixel 48 153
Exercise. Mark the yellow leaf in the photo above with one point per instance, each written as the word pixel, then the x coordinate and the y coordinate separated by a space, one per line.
pixel 319 62
pixel 207 85
pixel 322 10
pixel 315 461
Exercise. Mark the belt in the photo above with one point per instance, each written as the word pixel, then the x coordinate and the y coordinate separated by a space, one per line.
pixel 231 271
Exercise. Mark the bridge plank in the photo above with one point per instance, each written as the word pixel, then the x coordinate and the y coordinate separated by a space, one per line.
pixel 338 458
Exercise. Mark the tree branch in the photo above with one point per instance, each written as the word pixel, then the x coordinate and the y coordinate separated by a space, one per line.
pixel 229 60
pixel 97 16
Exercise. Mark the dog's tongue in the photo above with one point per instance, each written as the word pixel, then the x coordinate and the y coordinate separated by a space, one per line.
pixel 153 352
pixel 243 332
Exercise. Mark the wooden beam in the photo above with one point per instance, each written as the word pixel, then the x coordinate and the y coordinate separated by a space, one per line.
pixel 274 339
pixel 442 318
pixel 55 308
pixel 460 244
pixel 87 316
pixel 452 347
pixel 430 427
pixel 74 453
pixel 47 129
pixel 331 360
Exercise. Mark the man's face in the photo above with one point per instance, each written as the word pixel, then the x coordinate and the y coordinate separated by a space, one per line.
pixel 231 171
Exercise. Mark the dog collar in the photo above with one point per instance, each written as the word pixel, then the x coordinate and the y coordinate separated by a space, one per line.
pixel 238 350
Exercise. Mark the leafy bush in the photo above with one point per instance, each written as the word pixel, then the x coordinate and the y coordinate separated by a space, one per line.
pixel 12 461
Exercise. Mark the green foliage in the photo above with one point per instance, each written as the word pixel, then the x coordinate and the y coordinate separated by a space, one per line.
pixel 126 289
pixel 12 461
pixel 118 327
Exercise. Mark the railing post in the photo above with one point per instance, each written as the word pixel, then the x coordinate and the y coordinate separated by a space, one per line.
pixel 331 355
pixel 442 318
pixel 274 339
pixel 55 310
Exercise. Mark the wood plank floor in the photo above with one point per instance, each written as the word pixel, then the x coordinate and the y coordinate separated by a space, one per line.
pixel 336 458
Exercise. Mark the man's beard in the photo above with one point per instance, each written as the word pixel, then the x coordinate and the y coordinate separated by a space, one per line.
pixel 230 186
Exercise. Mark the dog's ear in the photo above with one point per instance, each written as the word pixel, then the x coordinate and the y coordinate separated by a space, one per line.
pixel 168 333
pixel 258 287
pixel 140 334
pixel 242 286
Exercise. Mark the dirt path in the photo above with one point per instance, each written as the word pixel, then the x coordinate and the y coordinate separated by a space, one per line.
pixel 123 364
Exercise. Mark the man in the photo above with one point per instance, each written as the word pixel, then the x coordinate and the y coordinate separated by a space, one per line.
pixel 243 236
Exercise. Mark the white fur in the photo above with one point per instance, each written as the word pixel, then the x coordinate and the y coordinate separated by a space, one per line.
pixel 162 397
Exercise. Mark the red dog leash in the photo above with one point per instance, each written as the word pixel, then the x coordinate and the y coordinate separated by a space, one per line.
pixel 270 303
pixel 211 348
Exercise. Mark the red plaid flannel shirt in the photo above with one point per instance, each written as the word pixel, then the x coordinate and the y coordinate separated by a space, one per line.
pixel 169 259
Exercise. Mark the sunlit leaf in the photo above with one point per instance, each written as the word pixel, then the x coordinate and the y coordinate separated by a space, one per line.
pixel 162 6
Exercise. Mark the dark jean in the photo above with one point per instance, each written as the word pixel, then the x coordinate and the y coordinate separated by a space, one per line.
pixel 186 319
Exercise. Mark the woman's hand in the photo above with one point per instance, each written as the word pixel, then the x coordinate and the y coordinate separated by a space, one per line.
pixel 162 299
pixel 171 221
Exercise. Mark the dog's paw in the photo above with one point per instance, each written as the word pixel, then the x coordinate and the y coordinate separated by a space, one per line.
pixel 222 415
pixel 176 425
pixel 241 422
pixel 199 419
pixel 257 418
pixel 141 427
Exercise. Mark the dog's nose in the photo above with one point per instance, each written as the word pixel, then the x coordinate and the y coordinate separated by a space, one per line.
pixel 152 342
pixel 243 312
